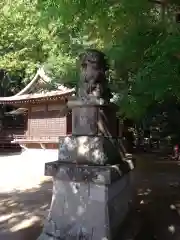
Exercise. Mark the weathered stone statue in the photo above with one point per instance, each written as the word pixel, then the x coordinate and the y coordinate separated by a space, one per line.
pixel 92 175
pixel 95 125
pixel 93 79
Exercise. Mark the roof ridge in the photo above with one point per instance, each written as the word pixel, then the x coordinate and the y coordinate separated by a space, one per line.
pixel 41 73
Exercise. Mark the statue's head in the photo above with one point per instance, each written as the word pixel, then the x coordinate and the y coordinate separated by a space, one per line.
pixel 93 73
pixel 95 58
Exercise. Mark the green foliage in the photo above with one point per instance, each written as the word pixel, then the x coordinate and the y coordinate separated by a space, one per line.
pixel 22 39
pixel 140 38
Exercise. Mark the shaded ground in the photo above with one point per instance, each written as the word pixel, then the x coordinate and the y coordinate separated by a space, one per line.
pixel 22 213
pixel 25 196
pixel 157 202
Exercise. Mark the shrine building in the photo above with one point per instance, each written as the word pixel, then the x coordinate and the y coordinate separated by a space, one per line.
pixel 40 115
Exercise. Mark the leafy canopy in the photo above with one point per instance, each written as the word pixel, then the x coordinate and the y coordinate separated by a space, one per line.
pixel 140 38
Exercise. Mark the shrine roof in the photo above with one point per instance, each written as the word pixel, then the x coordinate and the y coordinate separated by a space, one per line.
pixel 51 95
pixel 18 111
pixel 38 90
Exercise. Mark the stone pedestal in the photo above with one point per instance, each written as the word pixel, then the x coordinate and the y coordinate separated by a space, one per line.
pixel 93 118
pixel 92 177
pixel 89 202
pixel 91 150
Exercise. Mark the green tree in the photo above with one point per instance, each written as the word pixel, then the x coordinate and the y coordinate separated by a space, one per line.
pixel 23 43
pixel 140 38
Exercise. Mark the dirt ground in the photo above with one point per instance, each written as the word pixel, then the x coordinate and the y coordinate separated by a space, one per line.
pixel 25 195
pixel 156 214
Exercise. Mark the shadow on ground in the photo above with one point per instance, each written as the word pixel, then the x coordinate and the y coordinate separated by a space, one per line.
pixel 22 212
pixel 156 214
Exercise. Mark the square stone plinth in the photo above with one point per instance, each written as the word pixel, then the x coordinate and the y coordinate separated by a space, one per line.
pixel 87 209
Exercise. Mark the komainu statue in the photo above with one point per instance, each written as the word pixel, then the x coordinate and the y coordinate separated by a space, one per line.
pixel 91 178
pixel 95 126
pixel 93 79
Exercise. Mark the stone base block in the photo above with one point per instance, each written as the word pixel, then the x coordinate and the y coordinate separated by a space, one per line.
pixel 91 150
pixel 85 209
